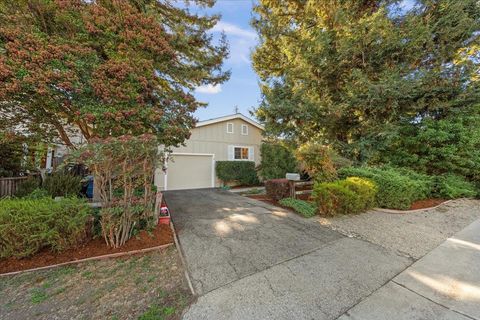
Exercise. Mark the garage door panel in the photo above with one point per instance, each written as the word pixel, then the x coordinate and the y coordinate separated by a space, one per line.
pixel 189 172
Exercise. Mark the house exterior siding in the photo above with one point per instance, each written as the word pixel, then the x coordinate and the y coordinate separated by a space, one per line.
pixel 214 139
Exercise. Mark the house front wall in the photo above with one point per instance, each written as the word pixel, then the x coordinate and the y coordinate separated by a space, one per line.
pixel 216 140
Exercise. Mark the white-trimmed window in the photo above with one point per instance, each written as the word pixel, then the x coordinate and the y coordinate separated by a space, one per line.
pixel 229 127
pixel 244 130
pixel 239 153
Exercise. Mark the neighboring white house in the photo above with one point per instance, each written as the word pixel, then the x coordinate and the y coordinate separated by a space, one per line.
pixel 229 138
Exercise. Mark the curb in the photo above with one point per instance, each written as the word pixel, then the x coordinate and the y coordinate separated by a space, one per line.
pixel 103 257
pixel 411 211
pixel 184 263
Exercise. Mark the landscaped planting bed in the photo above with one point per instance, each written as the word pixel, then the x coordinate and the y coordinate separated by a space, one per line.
pixel 161 235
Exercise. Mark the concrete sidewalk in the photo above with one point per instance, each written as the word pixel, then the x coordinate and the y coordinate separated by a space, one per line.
pixel 444 284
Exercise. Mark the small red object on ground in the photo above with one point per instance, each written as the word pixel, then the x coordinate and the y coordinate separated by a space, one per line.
pixel 164 215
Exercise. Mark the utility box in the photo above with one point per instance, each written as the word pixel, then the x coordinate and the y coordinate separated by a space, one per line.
pixel 293 176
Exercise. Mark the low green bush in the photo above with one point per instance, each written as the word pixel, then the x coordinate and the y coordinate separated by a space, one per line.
pixel 349 196
pixel 242 172
pixel 29 225
pixel 62 184
pixel 453 186
pixel 305 208
pixel 397 188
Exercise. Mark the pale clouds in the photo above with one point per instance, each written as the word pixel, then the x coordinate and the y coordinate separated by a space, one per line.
pixel 209 89
pixel 241 41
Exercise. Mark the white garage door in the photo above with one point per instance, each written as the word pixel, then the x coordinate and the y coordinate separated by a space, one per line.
pixel 187 171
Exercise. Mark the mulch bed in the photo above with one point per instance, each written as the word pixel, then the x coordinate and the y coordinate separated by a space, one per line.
pixel 427 203
pixel 94 248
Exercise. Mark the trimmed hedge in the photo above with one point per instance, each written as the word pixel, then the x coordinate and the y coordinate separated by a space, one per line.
pixel 241 171
pixel 349 196
pixel 453 186
pixel 304 208
pixel 277 189
pixel 397 188
pixel 29 225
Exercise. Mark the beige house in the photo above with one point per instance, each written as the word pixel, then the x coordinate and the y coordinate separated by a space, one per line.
pixel 229 138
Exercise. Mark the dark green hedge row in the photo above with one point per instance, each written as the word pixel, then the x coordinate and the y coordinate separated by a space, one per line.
pixel 398 188
pixel 242 172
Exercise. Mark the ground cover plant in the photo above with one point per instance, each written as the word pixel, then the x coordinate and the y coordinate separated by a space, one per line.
pixel 349 196
pixel 305 208
pixel 453 186
pixel 29 225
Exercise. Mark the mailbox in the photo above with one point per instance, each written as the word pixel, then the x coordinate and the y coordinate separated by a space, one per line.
pixel 293 176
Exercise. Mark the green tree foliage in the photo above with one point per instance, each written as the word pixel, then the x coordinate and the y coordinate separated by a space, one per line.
pixel 438 146
pixel 11 155
pixel 107 67
pixel 353 74
pixel 276 161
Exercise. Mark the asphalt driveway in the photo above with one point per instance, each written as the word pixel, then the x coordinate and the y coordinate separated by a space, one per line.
pixel 249 260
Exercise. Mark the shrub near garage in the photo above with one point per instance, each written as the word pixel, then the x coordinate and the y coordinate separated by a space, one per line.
pixel 349 196
pixel 242 172
pixel 29 225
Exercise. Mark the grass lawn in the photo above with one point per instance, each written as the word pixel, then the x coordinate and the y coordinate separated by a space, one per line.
pixel 150 286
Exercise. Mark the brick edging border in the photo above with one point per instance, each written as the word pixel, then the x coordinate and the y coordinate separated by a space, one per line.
pixel 412 211
pixel 102 257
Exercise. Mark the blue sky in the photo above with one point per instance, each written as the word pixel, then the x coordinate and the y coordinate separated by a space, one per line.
pixel 242 89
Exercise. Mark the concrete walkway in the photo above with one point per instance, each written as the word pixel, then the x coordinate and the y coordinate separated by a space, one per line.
pixel 250 260
pixel 444 284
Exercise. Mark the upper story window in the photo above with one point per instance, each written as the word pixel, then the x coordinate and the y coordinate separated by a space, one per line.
pixel 229 127
pixel 244 129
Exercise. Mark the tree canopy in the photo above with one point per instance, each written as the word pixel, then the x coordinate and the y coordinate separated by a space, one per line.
pixel 353 74
pixel 105 67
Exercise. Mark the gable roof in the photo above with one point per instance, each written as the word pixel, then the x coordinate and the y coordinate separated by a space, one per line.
pixel 230 117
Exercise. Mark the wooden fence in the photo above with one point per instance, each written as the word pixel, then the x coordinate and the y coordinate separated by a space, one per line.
pixel 8 186
pixel 300 187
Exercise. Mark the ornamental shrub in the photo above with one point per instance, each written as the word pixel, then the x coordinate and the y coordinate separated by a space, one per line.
pixel 452 186
pixel 277 189
pixel 242 172
pixel 304 208
pixel 276 161
pixel 397 188
pixel 29 225
pixel 317 160
pixel 349 196
pixel 62 184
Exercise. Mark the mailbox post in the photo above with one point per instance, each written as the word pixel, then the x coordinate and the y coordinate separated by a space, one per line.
pixel 292 178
